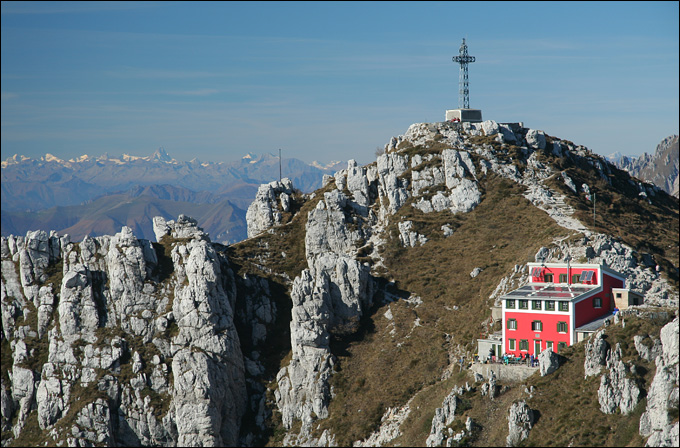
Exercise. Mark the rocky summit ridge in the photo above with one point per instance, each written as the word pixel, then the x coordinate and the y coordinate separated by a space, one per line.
pixel 116 340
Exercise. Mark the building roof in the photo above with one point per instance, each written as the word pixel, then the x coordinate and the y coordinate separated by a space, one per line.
pixel 551 291
pixel 593 325
pixel 603 267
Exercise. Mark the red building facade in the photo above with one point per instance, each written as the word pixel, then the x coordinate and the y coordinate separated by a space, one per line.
pixel 559 298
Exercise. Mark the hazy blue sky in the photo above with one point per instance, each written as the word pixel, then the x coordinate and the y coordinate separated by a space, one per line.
pixel 328 81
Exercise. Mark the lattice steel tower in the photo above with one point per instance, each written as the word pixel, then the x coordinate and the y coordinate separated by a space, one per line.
pixel 463 85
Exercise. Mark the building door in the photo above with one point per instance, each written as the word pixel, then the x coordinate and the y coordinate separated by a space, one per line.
pixel 537 347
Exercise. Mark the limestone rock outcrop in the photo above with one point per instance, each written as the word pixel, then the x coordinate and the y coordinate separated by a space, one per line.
pixel 389 429
pixel 655 422
pixel 596 354
pixel 443 417
pixel 270 201
pixel 124 334
pixel 330 296
pixel 520 422
pixel 616 389
pixel 646 352
pixel 548 362
pixel 408 237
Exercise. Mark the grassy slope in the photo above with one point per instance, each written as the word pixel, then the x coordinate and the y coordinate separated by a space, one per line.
pixel 380 370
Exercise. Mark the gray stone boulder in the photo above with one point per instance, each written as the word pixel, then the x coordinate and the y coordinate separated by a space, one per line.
pixel 548 362
pixel 327 229
pixel 520 422
pixel 490 127
pixel 491 387
pixel 425 177
pixel 265 211
pixel 596 354
pixel 465 196
pixel 357 183
pixel 408 237
pixel 655 422
pixel 457 165
pixel 569 183
pixel 392 189
pixel 535 139
pixel 6 406
pixel 389 430
pixel 647 352
pixel 616 389
pixel 329 297
pixel 443 417
pixel 507 133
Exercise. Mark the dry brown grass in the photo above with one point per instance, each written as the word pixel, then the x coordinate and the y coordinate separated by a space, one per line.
pixel 264 250
pixel 568 406
pixel 379 369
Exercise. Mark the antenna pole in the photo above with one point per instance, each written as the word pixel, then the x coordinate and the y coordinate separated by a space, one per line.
pixel 279 164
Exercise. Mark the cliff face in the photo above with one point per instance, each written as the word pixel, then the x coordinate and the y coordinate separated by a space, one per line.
pixel 660 168
pixel 121 341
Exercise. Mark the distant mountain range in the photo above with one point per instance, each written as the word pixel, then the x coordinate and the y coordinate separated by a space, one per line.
pixel 96 196
pixel 660 168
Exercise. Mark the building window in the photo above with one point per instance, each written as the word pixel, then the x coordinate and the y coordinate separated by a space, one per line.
pixel 524 344
pixel 618 295
pixel 561 327
pixel 512 324
pixel 550 305
pixel 536 305
pixel 537 325
pixel 523 304
pixel 597 302
pixel 561 346
pixel 510 304
pixel 563 278
pixel 548 278
pixel 511 344
pixel 576 278
pixel 549 344
pixel 564 306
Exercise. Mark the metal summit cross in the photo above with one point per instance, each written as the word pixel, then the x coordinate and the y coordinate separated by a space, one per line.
pixel 463 85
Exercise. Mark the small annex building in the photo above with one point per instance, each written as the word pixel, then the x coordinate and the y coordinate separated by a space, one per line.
pixel 562 304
